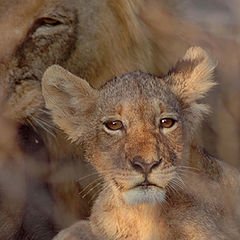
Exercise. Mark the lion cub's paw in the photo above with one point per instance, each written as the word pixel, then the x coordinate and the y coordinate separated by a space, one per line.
pixel 79 231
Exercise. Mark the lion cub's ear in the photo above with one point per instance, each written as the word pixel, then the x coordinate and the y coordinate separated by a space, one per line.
pixel 192 76
pixel 190 80
pixel 70 98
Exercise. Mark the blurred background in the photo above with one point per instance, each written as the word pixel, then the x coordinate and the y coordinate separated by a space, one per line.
pixel 38 193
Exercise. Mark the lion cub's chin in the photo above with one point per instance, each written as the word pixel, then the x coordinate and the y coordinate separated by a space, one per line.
pixel 141 195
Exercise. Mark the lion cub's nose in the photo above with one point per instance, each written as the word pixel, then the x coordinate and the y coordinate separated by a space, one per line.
pixel 141 166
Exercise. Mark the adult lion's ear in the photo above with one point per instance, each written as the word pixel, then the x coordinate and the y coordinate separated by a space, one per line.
pixel 192 76
pixel 70 98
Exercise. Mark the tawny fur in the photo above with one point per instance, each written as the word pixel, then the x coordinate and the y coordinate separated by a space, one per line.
pixel 189 198
pixel 94 39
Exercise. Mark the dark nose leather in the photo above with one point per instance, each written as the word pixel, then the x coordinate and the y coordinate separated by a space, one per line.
pixel 141 166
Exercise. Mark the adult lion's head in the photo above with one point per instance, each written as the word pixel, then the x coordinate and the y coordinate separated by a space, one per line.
pixel 94 39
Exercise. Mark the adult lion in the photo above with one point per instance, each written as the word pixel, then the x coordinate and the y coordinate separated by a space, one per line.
pixel 94 39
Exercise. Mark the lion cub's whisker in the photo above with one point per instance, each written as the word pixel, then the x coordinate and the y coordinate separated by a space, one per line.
pixel 100 174
pixel 91 189
pixel 90 184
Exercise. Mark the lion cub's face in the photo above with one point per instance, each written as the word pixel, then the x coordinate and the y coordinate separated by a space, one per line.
pixel 138 137
pixel 137 128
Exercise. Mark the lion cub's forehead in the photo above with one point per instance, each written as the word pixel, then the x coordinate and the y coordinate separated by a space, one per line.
pixel 137 90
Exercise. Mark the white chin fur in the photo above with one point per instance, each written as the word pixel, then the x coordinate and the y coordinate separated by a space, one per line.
pixel 139 195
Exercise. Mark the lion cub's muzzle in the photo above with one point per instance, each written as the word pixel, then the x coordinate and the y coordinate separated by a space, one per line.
pixel 146 186
pixel 145 168
pixel 140 165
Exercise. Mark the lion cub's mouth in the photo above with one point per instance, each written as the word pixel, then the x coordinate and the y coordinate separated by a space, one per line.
pixel 144 192
pixel 146 184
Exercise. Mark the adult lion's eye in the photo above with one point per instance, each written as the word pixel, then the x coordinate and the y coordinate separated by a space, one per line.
pixel 167 122
pixel 49 22
pixel 114 125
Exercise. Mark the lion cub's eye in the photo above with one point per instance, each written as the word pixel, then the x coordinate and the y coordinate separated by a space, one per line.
pixel 49 22
pixel 114 125
pixel 167 122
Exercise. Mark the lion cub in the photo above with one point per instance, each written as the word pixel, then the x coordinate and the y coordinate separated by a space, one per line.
pixel 137 131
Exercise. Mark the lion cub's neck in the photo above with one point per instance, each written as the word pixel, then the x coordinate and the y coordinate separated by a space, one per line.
pixel 115 219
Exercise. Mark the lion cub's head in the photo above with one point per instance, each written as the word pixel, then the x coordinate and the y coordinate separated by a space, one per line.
pixel 137 128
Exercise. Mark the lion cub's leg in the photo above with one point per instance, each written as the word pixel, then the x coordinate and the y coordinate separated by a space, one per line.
pixel 79 231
